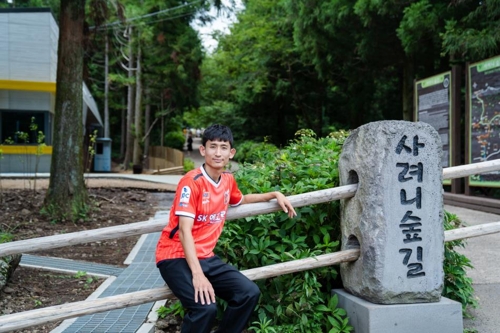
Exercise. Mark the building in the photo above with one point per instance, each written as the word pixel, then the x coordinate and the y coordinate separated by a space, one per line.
pixel 28 67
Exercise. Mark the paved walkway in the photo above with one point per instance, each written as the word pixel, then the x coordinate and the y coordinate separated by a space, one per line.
pixel 483 252
pixel 141 274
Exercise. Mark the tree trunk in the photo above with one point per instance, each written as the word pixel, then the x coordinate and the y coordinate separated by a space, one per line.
pixel 162 131
pixel 66 196
pixel 137 156
pixel 408 86
pixel 147 124
pixel 130 106
pixel 106 89
pixel 123 136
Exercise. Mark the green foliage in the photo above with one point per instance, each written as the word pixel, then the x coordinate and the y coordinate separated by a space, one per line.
pixel 76 212
pixel 473 34
pixel 300 302
pixel 457 286
pixel 175 309
pixel 6 237
pixel 251 152
pixel 188 165
pixel 91 150
pixel 264 325
pixel 420 21
pixel 297 301
pixel 470 330
pixel 175 140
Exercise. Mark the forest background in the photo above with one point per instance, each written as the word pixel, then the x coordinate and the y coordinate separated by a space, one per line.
pixel 285 65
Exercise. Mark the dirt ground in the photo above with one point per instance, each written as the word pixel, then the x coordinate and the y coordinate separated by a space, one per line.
pixel 115 202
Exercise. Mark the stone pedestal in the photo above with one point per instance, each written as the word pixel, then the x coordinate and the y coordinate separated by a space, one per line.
pixel 444 316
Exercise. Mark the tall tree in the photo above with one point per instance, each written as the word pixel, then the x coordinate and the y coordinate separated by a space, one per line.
pixel 67 195
pixel 476 34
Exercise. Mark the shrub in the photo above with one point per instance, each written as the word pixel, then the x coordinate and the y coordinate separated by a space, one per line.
pixel 175 140
pixel 251 152
pixel 457 286
pixel 188 164
pixel 300 301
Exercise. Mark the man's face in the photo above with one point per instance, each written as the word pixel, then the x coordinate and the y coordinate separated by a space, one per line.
pixel 217 153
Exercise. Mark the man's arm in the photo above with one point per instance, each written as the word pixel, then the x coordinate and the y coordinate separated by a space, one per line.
pixel 262 197
pixel 203 289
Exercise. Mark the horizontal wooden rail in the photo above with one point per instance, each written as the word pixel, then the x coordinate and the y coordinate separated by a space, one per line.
pixel 471 169
pixel 472 231
pixel 145 227
pixel 70 310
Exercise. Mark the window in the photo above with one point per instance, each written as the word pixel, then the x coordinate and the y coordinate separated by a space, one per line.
pixel 15 123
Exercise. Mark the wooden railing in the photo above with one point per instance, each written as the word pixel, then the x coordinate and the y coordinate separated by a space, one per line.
pixel 76 309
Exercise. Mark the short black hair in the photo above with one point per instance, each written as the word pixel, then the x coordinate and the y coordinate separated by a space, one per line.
pixel 217 132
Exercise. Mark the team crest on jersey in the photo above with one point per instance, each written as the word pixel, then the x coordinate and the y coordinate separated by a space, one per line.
pixel 226 197
pixel 206 198
pixel 185 195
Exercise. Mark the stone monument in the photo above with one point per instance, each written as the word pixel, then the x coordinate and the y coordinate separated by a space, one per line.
pixel 396 218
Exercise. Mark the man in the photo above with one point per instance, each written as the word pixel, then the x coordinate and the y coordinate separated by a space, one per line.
pixel 184 254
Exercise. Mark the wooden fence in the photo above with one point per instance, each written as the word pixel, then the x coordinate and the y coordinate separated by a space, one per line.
pixel 76 309
pixel 164 158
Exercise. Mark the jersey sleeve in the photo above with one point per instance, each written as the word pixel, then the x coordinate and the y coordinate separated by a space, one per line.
pixel 236 196
pixel 186 199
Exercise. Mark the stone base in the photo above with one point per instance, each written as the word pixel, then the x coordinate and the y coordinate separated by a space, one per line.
pixel 444 316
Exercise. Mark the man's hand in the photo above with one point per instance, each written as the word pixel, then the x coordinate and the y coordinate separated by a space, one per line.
pixel 203 290
pixel 285 204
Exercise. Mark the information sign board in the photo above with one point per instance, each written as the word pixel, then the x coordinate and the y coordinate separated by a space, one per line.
pixel 433 106
pixel 484 118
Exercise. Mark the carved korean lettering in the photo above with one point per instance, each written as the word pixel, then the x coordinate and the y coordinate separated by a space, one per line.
pixel 402 146
pixel 411 225
pixel 417 200
pixel 413 170
pixel 411 233
pixel 409 216
pixel 415 269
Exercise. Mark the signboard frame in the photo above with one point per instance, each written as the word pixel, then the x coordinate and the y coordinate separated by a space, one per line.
pixel 430 90
pixel 480 76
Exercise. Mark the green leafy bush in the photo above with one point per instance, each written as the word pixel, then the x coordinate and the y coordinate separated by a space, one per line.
pixel 188 165
pixel 175 309
pixel 251 152
pixel 175 140
pixel 457 286
pixel 293 302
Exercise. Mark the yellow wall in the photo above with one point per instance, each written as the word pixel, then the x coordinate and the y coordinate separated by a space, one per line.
pixel 28 85
pixel 30 150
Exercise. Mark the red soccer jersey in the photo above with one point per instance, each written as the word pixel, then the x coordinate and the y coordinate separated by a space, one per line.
pixel 204 200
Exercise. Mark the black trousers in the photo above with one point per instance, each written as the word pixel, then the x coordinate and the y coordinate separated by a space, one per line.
pixel 236 289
